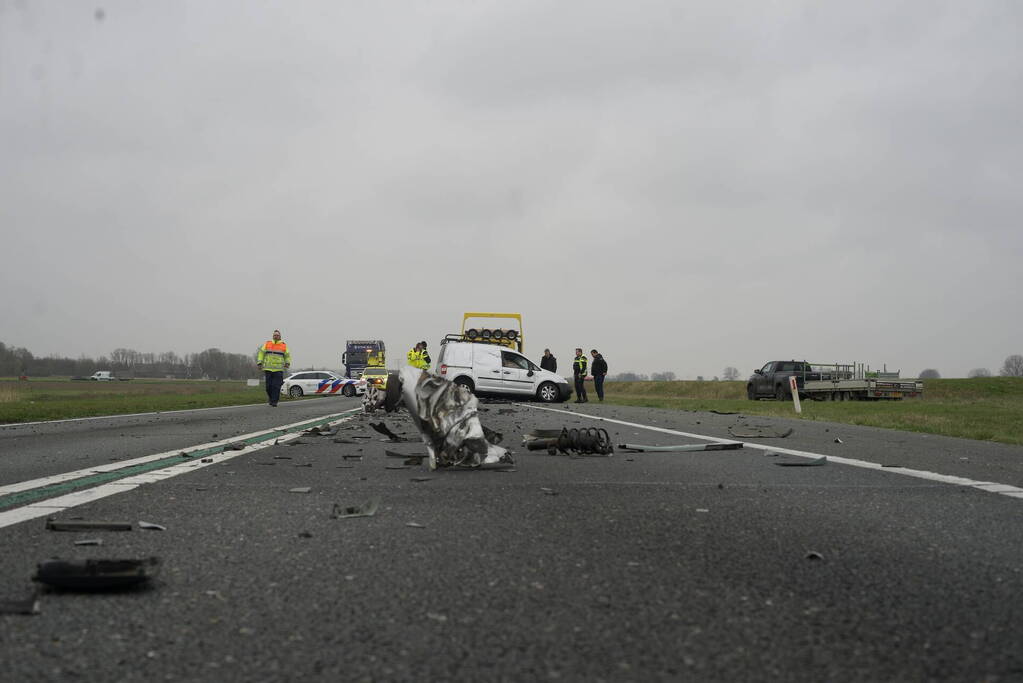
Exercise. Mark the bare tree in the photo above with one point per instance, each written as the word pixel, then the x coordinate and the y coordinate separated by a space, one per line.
pixel 979 372
pixel 930 373
pixel 1013 366
pixel 666 376
pixel 730 374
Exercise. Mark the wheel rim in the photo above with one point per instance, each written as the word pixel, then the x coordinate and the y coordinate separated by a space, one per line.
pixel 547 392
pixel 295 392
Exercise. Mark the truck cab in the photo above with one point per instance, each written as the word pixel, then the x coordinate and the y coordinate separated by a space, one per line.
pixel 772 380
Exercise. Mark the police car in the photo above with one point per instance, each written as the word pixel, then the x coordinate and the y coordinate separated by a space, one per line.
pixel 321 382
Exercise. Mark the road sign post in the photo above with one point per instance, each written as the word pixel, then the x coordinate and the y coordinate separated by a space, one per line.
pixel 795 393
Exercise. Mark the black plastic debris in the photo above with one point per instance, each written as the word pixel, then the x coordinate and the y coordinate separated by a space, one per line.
pixel 759 432
pixel 343 440
pixel 395 467
pixel 152 527
pixel 96 575
pixel 321 431
pixel 351 511
pixel 206 460
pixel 304 464
pixel 414 460
pixel 816 462
pixel 724 412
pixel 90 541
pixel 352 457
pixel 297 442
pixel 548 491
pixel 305 534
pixel 419 480
pixel 639 448
pixel 86 525
pixel 814 555
pixel 236 446
pixel 837 440
pixel 29 605
pixel 391 436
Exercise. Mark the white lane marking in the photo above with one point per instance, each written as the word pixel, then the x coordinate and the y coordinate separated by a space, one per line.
pixel 8 425
pixel 989 486
pixel 120 464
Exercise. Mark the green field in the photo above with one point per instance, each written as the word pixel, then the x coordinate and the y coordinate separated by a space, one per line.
pixel 988 408
pixel 55 399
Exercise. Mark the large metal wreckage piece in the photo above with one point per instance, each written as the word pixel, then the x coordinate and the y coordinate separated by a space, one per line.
pixel 446 414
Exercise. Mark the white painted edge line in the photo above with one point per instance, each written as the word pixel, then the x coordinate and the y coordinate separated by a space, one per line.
pixel 989 486
pixel 9 425
pixel 120 464
pixel 50 506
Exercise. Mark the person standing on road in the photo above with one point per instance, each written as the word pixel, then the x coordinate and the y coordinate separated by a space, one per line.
pixel 579 373
pixel 549 362
pixel 415 356
pixel 424 356
pixel 273 359
pixel 598 370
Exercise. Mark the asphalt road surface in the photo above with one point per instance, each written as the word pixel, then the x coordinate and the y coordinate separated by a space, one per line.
pixel 900 558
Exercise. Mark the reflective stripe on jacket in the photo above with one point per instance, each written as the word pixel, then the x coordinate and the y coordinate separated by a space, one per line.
pixel 415 358
pixel 579 366
pixel 274 356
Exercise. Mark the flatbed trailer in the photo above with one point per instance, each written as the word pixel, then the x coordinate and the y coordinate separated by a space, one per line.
pixel 855 382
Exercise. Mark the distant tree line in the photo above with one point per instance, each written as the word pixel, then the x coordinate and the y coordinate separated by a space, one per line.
pixel 211 363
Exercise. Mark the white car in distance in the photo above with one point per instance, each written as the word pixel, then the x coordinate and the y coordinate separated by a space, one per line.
pixel 323 383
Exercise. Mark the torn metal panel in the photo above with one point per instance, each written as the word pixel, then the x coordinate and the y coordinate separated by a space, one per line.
pixel 640 448
pixel 446 414
pixel 96 575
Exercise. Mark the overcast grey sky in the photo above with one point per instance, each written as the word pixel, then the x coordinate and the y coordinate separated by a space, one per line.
pixel 683 185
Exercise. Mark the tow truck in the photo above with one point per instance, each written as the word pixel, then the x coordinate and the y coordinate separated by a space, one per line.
pixel 512 338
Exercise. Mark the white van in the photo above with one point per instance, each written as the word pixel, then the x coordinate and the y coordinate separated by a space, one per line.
pixel 496 369
pixel 103 376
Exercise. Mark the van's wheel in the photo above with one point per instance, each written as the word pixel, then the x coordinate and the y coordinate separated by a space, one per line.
pixel 348 390
pixel 750 394
pixel 295 392
pixel 779 392
pixel 467 383
pixel 548 392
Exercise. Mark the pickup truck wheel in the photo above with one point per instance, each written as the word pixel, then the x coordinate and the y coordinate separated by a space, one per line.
pixel 465 382
pixel 348 390
pixel 548 392
pixel 295 392
pixel 779 392
pixel 750 394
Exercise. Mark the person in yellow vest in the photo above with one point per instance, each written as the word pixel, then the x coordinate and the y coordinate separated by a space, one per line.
pixel 273 359
pixel 424 356
pixel 413 356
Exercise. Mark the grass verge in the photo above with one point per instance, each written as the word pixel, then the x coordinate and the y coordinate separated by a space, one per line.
pixel 62 399
pixel 986 409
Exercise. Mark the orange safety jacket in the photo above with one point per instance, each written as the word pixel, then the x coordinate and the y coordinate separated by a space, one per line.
pixel 274 356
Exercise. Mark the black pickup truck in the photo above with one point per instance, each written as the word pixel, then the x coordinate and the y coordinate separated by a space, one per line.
pixel 772 380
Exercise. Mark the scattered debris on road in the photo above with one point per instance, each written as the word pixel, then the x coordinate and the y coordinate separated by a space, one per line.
pixel 352 511
pixel 837 440
pixel 748 431
pixel 84 524
pixel 415 525
pixel 90 541
pixel 151 526
pixel 639 448
pixel 29 605
pixel 586 441
pixel 300 489
pixel 823 460
pixel 382 428
pixel 96 575
pixel 236 446
pixel 814 555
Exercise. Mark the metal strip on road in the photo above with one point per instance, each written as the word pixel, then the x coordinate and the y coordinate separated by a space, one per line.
pixel 124 476
pixel 988 486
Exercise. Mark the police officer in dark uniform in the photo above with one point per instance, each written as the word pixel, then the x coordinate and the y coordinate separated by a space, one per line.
pixel 579 373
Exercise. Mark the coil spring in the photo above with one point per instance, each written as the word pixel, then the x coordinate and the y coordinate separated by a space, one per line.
pixel 582 441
